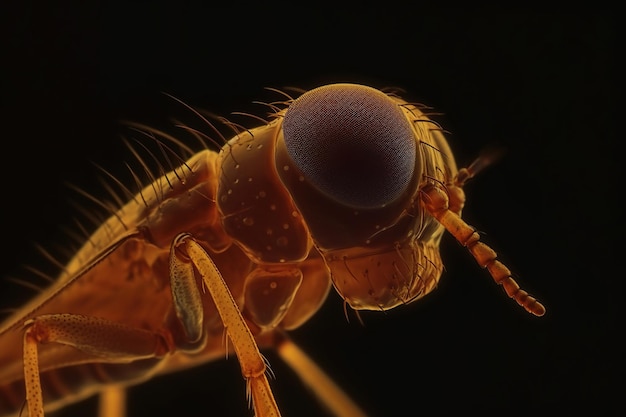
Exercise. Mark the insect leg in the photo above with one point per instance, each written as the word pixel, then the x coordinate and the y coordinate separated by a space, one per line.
pixel 97 338
pixel 326 390
pixel 112 401
pixel 435 200
pixel 253 368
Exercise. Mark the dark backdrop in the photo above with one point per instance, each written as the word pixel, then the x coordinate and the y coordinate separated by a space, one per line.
pixel 538 84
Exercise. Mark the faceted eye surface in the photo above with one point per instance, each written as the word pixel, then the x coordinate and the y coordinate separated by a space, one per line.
pixel 351 142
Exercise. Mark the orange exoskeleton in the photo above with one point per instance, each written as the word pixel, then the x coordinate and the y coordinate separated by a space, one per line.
pixel 346 186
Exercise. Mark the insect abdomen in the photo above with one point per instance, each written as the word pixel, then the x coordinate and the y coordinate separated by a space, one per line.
pixel 70 384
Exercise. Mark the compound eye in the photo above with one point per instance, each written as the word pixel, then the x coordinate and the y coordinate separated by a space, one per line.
pixel 352 142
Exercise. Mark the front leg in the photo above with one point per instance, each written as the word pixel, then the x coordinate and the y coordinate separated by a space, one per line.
pixel 185 252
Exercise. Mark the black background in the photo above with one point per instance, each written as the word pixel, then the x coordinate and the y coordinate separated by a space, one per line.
pixel 538 84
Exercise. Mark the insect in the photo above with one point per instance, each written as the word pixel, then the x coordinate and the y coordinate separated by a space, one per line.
pixel 346 186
